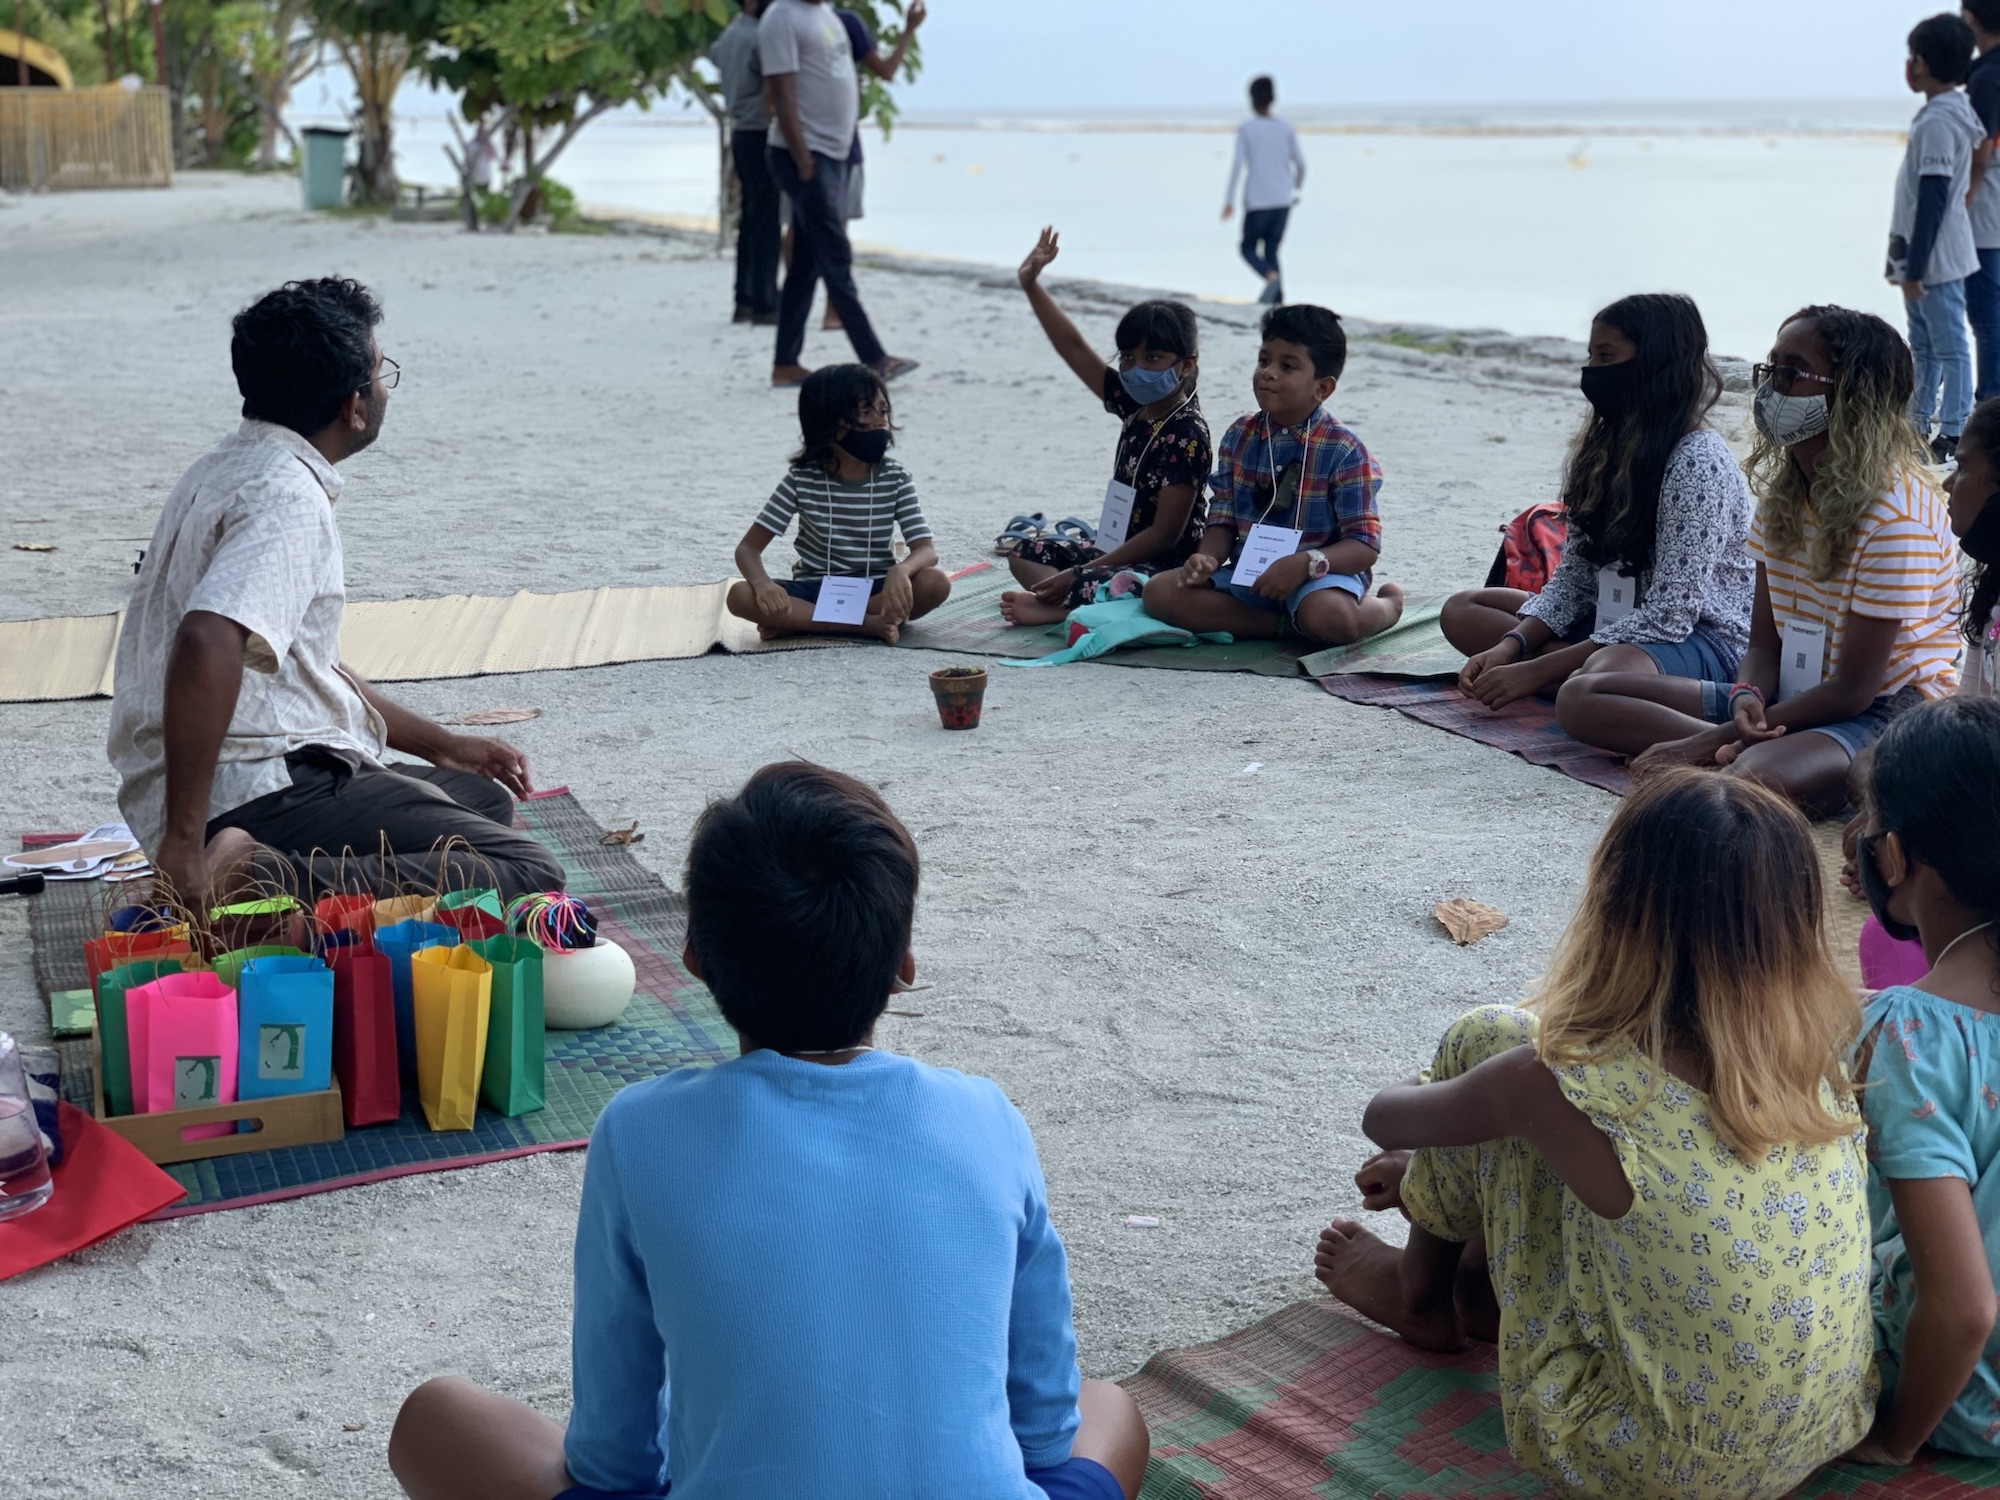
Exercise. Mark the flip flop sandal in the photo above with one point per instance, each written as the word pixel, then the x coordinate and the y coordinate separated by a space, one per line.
pixel 1070 529
pixel 1020 529
pixel 891 367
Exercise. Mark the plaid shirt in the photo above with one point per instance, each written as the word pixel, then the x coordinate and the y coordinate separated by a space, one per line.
pixel 1335 501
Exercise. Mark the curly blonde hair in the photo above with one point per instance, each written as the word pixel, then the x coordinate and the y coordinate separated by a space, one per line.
pixel 1871 443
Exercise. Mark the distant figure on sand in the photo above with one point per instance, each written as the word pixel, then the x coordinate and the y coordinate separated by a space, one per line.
pixel 1293 530
pixel 814 101
pixel 850 498
pixel 1272 168
pixel 246 750
pixel 1982 288
pixel 868 55
pixel 1155 511
pixel 735 56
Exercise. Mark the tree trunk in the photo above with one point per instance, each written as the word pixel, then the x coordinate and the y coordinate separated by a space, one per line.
pixel 527 194
pixel 378 61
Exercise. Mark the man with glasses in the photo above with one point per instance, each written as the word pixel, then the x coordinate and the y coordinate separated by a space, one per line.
pixel 246 750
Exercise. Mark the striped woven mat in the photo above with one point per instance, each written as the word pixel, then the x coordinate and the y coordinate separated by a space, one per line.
pixel 671 1023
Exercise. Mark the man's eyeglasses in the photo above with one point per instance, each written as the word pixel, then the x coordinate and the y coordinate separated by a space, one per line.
pixel 1782 378
pixel 390 374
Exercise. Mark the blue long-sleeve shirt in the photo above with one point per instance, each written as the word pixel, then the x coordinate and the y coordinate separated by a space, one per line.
pixel 826 1281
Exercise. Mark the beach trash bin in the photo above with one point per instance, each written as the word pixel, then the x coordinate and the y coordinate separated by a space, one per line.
pixel 323 167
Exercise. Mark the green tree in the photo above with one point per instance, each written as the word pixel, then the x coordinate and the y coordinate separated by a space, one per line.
pixel 378 40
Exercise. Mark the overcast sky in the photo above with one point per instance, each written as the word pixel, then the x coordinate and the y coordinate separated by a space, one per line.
pixel 1157 54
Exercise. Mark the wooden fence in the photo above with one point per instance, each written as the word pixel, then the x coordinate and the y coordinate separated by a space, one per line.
pixel 84 138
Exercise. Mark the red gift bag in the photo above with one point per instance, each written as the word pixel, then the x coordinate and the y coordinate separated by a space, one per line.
pixel 101 954
pixel 355 914
pixel 364 1036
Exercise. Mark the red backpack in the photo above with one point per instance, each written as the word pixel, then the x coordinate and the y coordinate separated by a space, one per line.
pixel 1531 545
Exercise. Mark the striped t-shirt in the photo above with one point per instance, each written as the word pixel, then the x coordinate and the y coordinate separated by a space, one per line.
pixel 1901 566
pixel 845 527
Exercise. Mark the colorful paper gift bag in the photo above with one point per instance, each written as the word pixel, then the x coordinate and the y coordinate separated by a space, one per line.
pixel 451 989
pixel 404 909
pixel 512 1084
pixel 229 966
pixel 354 915
pixel 182 1029
pixel 115 948
pixel 364 1036
pixel 284 1027
pixel 113 1038
pixel 475 913
pixel 401 941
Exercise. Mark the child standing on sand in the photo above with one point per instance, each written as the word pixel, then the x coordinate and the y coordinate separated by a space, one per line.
pixel 1648 1187
pixel 1154 510
pixel 1293 530
pixel 818 1269
pixel 850 497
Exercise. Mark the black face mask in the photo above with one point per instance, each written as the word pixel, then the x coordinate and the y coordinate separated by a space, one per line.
pixel 1608 388
pixel 1982 542
pixel 1876 889
pixel 866 445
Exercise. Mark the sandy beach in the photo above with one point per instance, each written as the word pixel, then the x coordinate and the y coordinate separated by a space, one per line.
pixel 1190 977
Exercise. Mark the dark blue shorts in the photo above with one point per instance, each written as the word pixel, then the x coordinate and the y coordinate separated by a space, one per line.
pixel 1077 1479
pixel 808 590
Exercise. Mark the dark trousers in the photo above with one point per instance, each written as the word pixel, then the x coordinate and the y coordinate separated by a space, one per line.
pixel 757 230
pixel 1262 229
pixel 403 829
pixel 820 251
pixel 1982 311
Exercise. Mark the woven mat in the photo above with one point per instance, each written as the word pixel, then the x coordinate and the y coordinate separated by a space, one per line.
pixel 1313 1402
pixel 671 1023
pixel 1413 647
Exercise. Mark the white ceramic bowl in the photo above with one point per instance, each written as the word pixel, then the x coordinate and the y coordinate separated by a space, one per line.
pixel 586 987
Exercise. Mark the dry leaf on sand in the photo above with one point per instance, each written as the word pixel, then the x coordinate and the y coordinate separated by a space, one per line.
pixel 1468 921
pixel 624 835
pixel 34 546
pixel 495 716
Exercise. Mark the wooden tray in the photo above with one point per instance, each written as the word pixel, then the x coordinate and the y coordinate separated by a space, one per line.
pixel 285 1120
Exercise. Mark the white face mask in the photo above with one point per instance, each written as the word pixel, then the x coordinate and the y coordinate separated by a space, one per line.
pixel 1789 420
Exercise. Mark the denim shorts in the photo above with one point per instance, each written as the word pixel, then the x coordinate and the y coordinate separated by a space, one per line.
pixel 808 590
pixel 1355 584
pixel 1697 657
pixel 1865 728
pixel 1073 1479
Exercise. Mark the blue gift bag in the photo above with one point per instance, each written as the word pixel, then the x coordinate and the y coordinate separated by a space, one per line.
pixel 284 1018
pixel 399 941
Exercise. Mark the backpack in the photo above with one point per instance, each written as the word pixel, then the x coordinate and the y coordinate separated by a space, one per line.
pixel 1531 545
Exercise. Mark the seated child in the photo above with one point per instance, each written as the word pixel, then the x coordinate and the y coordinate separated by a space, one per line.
pixel 1662 1161
pixel 850 497
pixel 818 1269
pixel 1293 476
pixel 1161 467
pixel 1975 521
pixel 1929 861
pixel 1857 588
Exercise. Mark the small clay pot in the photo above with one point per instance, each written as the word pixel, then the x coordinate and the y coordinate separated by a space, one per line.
pixel 960 693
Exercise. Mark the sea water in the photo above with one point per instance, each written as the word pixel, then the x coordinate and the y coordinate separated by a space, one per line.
pixel 1526 227
pixel 24 1171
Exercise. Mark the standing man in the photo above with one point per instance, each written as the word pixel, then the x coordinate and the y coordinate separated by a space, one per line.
pixel 242 743
pixel 1272 169
pixel 814 101
pixel 1982 287
pixel 735 57
pixel 868 55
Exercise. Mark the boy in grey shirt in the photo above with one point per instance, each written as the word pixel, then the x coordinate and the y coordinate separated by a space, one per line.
pixel 734 54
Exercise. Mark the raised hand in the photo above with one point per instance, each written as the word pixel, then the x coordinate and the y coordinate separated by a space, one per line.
pixel 1047 248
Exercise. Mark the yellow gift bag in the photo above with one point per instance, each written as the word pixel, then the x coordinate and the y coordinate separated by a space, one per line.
pixel 451 991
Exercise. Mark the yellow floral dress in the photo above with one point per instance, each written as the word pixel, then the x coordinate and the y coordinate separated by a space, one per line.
pixel 1715 1341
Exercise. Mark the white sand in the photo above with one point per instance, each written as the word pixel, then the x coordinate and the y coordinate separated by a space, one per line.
pixel 1189 978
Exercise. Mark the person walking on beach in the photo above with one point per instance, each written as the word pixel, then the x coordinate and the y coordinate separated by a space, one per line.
pixel 735 57
pixel 868 55
pixel 1982 287
pixel 814 101
pixel 1272 169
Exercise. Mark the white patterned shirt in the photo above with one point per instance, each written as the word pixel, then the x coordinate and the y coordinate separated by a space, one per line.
pixel 247 534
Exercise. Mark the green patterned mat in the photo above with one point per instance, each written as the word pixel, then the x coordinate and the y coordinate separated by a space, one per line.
pixel 671 1023
pixel 1311 1401
pixel 1413 647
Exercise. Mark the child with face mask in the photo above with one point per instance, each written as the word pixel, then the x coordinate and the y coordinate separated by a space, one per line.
pixel 1652 597
pixel 850 498
pixel 1154 508
pixel 1857 585
pixel 1975 521
pixel 1929 861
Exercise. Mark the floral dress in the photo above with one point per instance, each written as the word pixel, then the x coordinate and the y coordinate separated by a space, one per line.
pixel 1713 1342
pixel 1150 457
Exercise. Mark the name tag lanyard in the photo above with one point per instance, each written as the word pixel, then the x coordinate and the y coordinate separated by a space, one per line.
pixel 844 600
pixel 1265 544
pixel 1305 468
pixel 1114 522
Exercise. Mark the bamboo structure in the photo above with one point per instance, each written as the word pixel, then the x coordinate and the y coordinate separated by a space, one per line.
pixel 113 137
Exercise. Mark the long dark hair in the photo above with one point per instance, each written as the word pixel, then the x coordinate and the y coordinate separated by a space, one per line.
pixel 1982 583
pixel 1936 785
pixel 830 396
pixel 1611 485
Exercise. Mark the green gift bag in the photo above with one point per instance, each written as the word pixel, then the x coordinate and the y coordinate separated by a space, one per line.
pixel 114 1044
pixel 512 1082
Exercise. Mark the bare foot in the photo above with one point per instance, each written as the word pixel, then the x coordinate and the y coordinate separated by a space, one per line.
pixel 783 375
pixel 1366 1273
pixel 1382 609
pixel 774 632
pixel 888 634
pixel 1018 607
pixel 831 320
pixel 1695 750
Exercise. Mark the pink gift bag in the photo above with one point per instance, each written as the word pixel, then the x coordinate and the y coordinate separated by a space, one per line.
pixel 182 1029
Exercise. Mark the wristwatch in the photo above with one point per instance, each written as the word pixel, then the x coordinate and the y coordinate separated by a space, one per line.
pixel 1316 563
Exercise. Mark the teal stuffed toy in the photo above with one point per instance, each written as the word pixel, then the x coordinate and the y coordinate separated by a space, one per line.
pixel 1112 623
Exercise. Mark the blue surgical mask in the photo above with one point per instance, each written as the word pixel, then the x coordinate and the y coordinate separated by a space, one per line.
pixel 1148 386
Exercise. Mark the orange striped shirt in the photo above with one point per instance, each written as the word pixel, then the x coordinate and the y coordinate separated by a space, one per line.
pixel 1901 566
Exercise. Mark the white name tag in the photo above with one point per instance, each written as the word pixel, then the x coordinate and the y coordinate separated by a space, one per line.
pixel 1116 517
pixel 1617 595
pixel 1989 669
pixel 1802 657
pixel 1262 547
pixel 842 601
